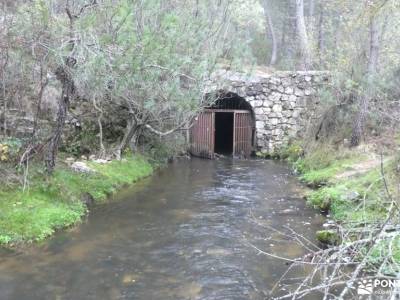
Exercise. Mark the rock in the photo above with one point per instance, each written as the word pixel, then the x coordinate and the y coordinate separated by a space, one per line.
pixel 351 196
pixel 275 97
pixel 87 199
pixel 329 224
pixel 69 160
pixel 299 92
pixel 328 237
pixel 92 157
pixel 197 251
pixel 81 167
pixel 346 143
pixel 289 90
pixel 288 211
pixel 277 108
pixel 260 124
pixel 83 157
pixel 257 103
pixel 101 161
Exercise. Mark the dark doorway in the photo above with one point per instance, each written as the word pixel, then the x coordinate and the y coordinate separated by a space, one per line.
pixel 224 129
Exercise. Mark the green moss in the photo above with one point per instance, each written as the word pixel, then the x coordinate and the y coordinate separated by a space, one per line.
pixel 324 197
pixel 324 175
pixel 319 177
pixel 353 200
pixel 55 202
pixel 330 237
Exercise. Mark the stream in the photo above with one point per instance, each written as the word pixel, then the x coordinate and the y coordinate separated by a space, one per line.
pixel 185 233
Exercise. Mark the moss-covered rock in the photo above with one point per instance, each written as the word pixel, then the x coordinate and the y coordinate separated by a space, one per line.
pixel 328 237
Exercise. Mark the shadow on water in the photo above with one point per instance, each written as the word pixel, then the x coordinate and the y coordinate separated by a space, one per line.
pixel 182 234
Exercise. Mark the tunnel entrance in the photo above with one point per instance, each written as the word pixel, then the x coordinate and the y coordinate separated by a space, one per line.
pixel 226 127
pixel 224 133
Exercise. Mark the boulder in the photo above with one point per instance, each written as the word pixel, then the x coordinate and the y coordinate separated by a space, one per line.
pixel 81 167
pixel 328 237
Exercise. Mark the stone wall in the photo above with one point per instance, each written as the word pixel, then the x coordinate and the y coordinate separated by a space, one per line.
pixel 284 103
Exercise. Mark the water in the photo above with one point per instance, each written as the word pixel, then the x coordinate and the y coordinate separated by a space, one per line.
pixel 185 233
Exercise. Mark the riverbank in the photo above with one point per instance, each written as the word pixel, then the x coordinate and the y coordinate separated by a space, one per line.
pixel 355 188
pixel 52 203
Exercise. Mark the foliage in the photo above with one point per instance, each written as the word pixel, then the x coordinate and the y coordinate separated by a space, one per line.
pixel 9 149
pixel 354 200
pixel 292 152
pixel 55 202
pixel 324 197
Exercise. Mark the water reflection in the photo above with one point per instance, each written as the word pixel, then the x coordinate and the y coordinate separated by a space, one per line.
pixel 182 234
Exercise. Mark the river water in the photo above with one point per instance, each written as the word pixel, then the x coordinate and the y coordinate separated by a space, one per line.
pixel 184 233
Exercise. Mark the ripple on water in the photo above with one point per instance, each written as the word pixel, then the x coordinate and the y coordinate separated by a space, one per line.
pixel 184 234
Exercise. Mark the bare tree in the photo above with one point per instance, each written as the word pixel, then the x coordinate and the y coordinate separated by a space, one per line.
pixel 305 49
pixel 359 122
pixel 271 31
pixel 321 33
pixel 68 90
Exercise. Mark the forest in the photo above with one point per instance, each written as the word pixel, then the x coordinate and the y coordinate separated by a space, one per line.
pixel 98 94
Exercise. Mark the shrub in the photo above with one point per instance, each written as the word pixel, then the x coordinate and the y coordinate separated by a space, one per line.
pixel 9 149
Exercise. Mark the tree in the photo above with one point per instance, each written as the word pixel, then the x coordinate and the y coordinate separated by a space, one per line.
pixel 68 90
pixel 372 63
pixel 304 46
pixel 271 31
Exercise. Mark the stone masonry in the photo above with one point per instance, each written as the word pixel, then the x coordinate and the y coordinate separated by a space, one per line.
pixel 283 103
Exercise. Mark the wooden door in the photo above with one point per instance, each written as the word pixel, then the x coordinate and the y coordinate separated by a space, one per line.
pixel 243 134
pixel 202 135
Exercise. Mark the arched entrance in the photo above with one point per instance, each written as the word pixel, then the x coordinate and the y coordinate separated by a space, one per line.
pixel 226 127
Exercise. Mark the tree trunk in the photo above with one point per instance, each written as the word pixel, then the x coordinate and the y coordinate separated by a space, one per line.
pixel 374 48
pixel 359 121
pixel 321 36
pixel 311 8
pixel 130 132
pixel 67 94
pixel 305 51
pixel 271 30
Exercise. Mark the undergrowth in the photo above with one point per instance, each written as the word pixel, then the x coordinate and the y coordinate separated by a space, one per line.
pixel 356 201
pixel 52 203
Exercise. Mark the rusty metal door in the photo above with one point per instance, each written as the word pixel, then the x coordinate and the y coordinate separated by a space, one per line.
pixel 243 134
pixel 202 135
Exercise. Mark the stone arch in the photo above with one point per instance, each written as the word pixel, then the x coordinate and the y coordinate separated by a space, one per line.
pixel 283 104
pixel 228 100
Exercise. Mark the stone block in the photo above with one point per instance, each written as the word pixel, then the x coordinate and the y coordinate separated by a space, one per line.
pixel 257 103
pixel 275 97
pixel 267 103
pixel 289 90
pixel 260 124
pixel 298 92
pixel 274 121
pixel 286 82
pixel 285 97
pixel 277 108
pixel 259 111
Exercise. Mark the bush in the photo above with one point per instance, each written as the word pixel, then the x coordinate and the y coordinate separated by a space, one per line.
pixel 9 149
pixel 293 152
pixel 323 198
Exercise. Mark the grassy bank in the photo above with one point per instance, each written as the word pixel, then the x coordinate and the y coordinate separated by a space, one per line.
pixel 52 203
pixel 356 188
